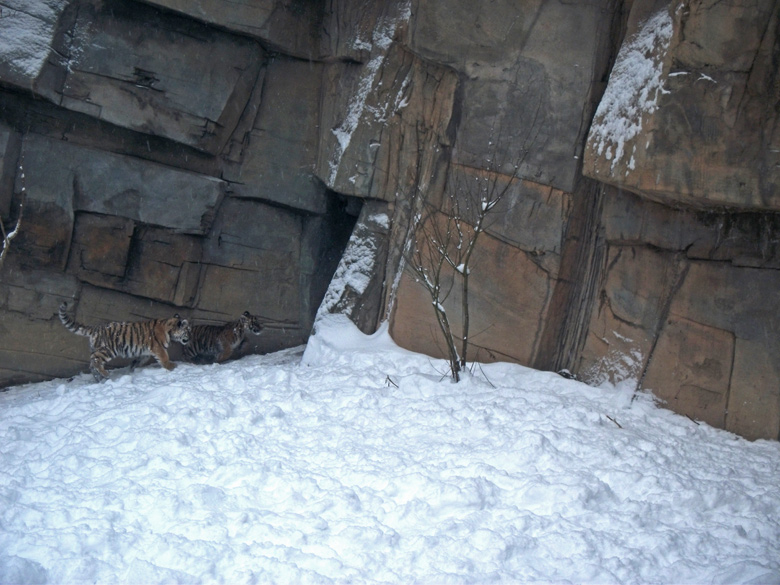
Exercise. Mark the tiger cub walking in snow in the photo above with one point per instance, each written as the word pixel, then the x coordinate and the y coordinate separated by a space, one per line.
pixel 131 340
pixel 216 343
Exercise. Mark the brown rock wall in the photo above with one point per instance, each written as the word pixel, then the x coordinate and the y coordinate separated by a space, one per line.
pixel 357 286
pixel 163 266
pixel 690 370
pixel 736 318
pixel 684 303
pixel 73 178
pixel 634 289
pixel 32 344
pixel 210 157
pixel 690 114
pixel 389 119
pixel 526 78
pixel 100 248
pixel 753 409
pixel 500 329
pixel 32 351
pixel 611 312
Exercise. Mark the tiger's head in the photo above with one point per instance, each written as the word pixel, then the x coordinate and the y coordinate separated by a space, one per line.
pixel 251 323
pixel 179 329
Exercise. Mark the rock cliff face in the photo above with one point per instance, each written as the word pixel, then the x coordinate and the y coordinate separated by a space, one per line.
pixel 688 283
pixel 209 157
pixel 167 162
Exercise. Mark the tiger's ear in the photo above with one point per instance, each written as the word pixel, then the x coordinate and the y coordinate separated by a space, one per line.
pixel 175 315
pixel 246 314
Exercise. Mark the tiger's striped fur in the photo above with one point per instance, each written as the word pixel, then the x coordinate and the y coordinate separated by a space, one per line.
pixel 130 340
pixel 216 343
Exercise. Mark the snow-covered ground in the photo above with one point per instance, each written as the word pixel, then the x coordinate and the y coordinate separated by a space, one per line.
pixel 358 462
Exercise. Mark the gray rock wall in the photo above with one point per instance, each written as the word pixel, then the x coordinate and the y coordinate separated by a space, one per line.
pixel 161 175
pixel 211 156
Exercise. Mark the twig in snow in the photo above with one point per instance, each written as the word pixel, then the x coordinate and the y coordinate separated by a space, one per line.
pixel 484 374
pixel 437 370
pixel 614 421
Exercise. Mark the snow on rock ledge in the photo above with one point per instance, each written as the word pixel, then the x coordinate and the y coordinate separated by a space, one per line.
pixel 685 119
pixel 27 28
pixel 634 87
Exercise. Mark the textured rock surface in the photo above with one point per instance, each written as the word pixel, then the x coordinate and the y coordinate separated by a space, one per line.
pixel 390 119
pixel 28 30
pixel 97 181
pixel 289 26
pixel 274 158
pixel 699 124
pixel 685 302
pixel 115 64
pixel 356 288
pixel 526 78
pixel 158 180
pixel 212 156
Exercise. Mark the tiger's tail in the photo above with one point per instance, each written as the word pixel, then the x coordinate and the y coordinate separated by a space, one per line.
pixel 70 323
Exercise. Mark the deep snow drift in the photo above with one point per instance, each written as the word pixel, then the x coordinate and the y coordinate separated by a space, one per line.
pixel 360 463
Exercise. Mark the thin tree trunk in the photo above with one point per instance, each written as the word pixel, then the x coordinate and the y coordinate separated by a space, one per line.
pixel 444 324
pixel 465 309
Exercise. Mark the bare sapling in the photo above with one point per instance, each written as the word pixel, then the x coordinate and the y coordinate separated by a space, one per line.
pixel 443 251
pixel 428 259
pixel 470 208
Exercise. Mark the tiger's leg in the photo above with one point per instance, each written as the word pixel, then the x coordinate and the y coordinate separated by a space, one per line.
pixel 140 362
pixel 97 365
pixel 190 353
pixel 224 354
pixel 159 353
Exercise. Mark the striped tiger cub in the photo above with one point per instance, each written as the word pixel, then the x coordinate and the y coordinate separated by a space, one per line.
pixel 131 340
pixel 216 343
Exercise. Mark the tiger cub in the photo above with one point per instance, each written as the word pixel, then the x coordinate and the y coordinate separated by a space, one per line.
pixel 131 340
pixel 215 343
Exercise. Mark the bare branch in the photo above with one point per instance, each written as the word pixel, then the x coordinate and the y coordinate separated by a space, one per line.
pixel 445 237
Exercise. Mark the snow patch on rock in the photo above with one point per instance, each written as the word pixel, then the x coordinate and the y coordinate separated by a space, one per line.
pixel 635 84
pixel 26 31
